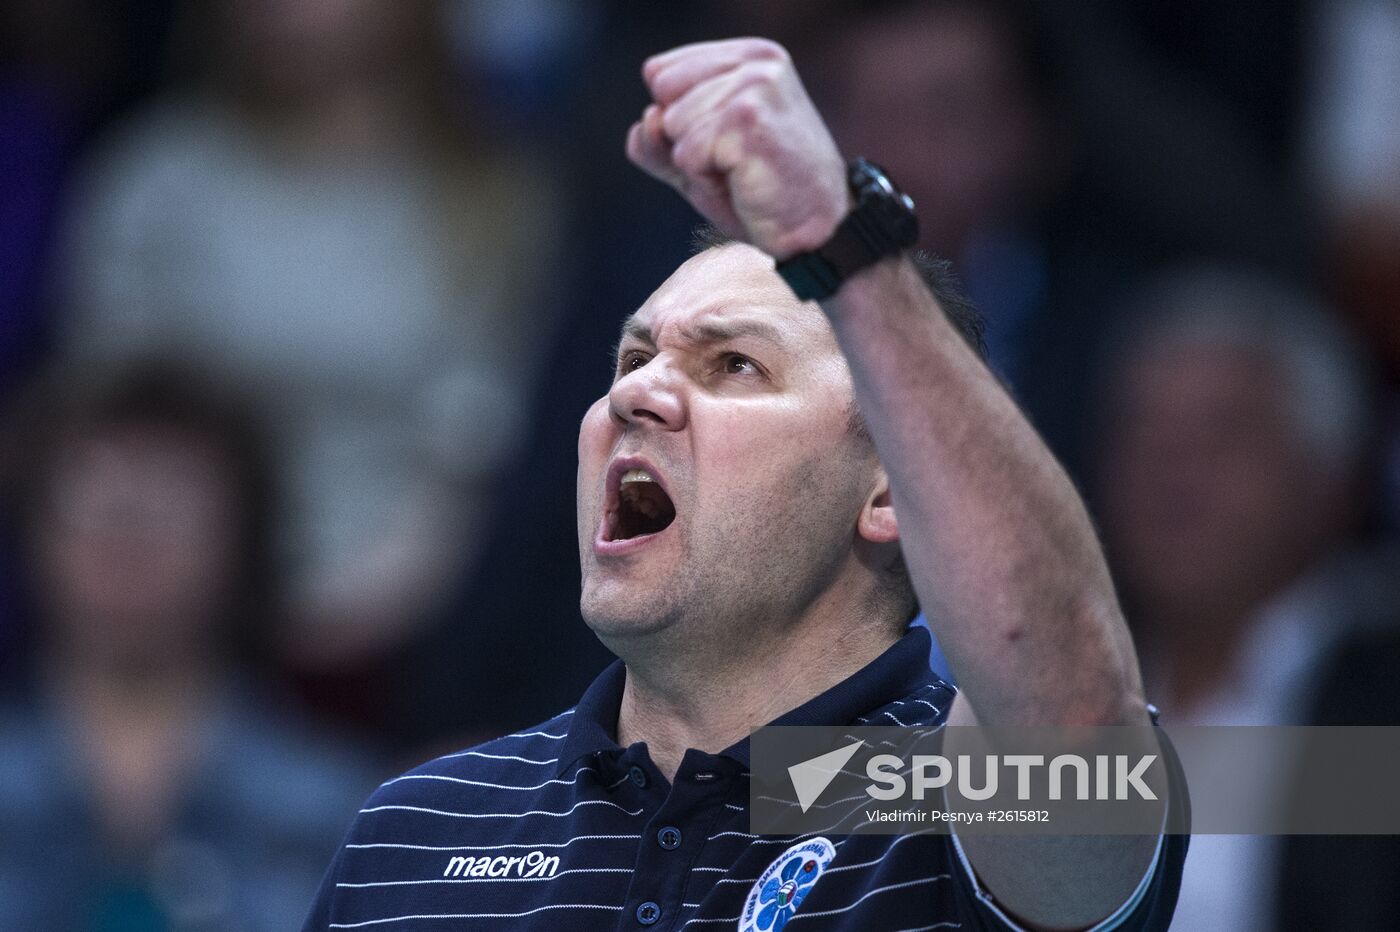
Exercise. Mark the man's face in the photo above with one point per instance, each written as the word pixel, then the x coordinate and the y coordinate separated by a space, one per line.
pixel 734 398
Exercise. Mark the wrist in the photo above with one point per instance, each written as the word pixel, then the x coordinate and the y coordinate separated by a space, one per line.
pixel 814 232
pixel 879 223
pixel 873 290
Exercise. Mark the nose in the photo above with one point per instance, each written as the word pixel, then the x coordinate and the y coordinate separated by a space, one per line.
pixel 651 395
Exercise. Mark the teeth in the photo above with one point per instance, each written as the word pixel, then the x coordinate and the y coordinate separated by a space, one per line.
pixel 636 475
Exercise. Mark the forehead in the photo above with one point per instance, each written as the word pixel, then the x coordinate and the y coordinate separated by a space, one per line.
pixel 727 291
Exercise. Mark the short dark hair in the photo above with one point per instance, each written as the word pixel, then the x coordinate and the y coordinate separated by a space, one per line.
pixel 937 274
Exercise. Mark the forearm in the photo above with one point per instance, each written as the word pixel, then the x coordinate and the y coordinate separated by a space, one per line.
pixel 996 540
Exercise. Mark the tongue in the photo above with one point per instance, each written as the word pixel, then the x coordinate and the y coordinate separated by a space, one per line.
pixel 643 508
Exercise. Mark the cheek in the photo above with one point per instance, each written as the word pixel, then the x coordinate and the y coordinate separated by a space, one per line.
pixel 818 418
pixel 596 437
pixel 764 463
pixel 596 432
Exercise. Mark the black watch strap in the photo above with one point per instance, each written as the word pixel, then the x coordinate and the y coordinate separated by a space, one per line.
pixel 857 242
pixel 881 224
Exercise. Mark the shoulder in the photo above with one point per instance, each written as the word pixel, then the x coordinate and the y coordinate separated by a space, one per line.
pixel 519 762
pixel 477 798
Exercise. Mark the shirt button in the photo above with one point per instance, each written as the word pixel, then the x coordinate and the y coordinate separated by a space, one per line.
pixel 638 775
pixel 648 913
pixel 669 838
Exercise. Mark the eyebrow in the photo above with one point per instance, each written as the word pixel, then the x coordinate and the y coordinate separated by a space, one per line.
pixel 710 332
pixel 634 328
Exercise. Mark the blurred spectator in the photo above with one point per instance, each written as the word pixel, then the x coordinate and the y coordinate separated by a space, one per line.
pixel 1231 487
pixel 145 781
pixel 66 68
pixel 989 115
pixel 1232 470
pixel 1352 153
pixel 316 221
pixel 1057 153
pixel 954 97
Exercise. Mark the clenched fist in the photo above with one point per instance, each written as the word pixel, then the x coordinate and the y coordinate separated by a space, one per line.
pixel 733 130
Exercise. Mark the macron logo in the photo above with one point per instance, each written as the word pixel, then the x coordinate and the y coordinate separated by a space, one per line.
pixel 811 777
pixel 534 864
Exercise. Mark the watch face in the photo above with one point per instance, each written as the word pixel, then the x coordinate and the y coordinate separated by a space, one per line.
pixel 903 224
pixel 873 186
pixel 866 175
pixel 869 178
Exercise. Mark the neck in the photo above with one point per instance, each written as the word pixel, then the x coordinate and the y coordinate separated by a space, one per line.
pixel 684 702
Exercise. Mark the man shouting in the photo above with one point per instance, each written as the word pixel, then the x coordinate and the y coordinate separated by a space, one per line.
pixel 799 448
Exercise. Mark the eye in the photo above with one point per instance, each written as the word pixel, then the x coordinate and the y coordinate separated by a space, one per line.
pixel 738 364
pixel 631 361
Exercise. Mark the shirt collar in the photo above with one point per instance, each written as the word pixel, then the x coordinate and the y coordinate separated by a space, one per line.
pixel 593 726
pixel 901 670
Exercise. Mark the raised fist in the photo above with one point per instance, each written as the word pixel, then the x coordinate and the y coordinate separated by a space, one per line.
pixel 733 130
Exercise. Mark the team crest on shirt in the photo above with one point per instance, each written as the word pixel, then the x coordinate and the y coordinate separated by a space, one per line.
pixel 784 885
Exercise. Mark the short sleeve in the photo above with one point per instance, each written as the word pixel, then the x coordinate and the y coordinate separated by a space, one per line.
pixel 1153 901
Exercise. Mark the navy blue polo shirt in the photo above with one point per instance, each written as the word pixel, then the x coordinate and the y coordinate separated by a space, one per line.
pixel 557 827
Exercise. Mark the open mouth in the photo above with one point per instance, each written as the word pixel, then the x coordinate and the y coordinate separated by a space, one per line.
pixel 643 507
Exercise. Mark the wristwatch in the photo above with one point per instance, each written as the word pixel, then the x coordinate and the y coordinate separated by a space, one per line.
pixel 881 224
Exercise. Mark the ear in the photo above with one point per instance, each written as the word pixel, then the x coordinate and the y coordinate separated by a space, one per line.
pixel 877 522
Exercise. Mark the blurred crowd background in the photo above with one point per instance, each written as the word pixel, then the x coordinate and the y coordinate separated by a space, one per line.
pixel 301 302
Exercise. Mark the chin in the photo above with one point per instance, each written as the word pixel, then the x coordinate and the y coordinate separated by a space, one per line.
pixel 623 616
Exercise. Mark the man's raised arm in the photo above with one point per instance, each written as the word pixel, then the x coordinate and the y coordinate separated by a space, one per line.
pixel 998 545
